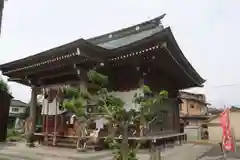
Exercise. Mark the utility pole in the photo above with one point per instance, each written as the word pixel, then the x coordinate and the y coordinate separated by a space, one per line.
pixel 1 13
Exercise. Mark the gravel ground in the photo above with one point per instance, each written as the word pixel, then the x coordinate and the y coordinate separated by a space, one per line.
pixel 183 152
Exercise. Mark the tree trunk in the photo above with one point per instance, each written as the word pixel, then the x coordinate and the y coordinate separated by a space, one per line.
pixel 125 143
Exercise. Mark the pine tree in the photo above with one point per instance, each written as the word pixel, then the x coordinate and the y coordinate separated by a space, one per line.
pixel 112 108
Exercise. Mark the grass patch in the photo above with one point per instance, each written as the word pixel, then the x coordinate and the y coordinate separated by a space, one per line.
pixel 13 135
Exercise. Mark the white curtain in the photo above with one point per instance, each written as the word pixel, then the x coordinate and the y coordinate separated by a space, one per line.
pixel 127 98
pixel 53 108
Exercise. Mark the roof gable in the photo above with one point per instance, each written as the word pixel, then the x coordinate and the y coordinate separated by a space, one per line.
pixel 18 103
pixel 215 118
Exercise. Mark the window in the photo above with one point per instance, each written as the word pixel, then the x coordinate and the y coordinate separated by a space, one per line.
pixel 192 106
pixel 15 109
pixel 181 107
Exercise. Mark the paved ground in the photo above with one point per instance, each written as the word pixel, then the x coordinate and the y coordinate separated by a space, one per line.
pixel 183 152
pixel 216 152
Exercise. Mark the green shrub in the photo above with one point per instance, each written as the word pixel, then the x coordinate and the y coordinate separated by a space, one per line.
pixel 13 135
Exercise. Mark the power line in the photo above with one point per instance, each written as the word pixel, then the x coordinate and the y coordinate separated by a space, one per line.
pixel 225 86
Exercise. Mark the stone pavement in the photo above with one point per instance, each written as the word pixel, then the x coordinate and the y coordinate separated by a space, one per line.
pixel 21 152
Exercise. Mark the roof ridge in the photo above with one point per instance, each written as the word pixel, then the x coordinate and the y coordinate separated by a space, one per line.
pixel 126 31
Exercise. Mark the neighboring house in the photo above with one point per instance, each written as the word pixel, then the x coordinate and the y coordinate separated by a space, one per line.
pixel 194 113
pixel 214 111
pixel 17 112
pixel 214 127
pixel 193 104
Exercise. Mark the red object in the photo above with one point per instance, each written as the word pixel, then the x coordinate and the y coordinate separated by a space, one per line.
pixel 227 141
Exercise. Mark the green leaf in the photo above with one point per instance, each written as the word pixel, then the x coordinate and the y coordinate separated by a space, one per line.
pixel 114 101
pixel 71 92
pixel 146 89
pixel 68 104
pixel 79 103
pixel 97 78
pixel 163 94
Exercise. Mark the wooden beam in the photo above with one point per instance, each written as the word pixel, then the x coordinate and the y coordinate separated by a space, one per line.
pixel 72 72
pixel 46 67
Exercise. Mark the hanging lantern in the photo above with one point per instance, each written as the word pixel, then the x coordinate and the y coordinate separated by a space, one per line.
pixel 78 71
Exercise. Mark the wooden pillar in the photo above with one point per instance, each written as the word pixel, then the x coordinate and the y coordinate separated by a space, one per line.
pixel 83 88
pixel 33 109
pixel 46 118
pixel 46 125
pixel 141 126
pixel 55 123
pixel 170 115
pixel 177 117
pixel 141 82
pixel 82 78
pixel 43 123
pixel 83 85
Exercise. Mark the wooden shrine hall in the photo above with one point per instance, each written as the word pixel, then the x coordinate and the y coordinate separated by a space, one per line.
pixel 144 53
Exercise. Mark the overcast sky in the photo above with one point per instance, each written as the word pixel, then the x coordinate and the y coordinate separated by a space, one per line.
pixel 207 31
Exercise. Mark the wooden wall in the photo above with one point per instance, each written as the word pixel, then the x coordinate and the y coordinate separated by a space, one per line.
pixel 5 100
pixel 168 117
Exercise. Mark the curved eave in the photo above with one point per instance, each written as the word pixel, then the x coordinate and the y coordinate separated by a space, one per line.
pixel 47 53
pixel 89 50
pixel 166 35
pixel 183 60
